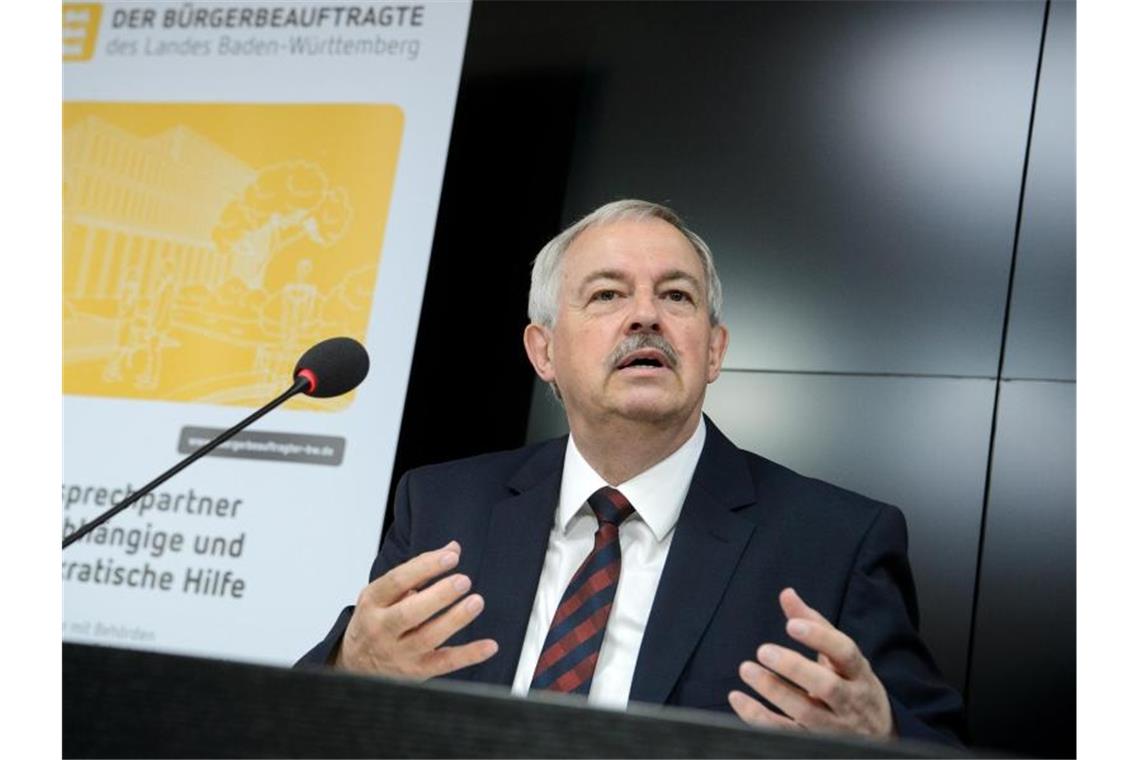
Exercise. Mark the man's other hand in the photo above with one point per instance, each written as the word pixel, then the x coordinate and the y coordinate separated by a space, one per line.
pixel 836 692
pixel 400 623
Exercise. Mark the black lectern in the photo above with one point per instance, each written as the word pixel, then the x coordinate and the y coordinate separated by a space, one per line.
pixel 124 703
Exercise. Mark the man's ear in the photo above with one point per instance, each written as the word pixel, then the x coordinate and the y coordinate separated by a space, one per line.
pixel 718 344
pixel 538 342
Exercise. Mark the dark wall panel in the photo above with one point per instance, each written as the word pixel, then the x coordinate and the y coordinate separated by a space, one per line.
pixel 856 167
pixel 1042 325
pixel 1022 692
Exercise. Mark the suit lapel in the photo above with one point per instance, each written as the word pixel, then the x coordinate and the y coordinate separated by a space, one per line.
pixel 704 553
pixel 517 535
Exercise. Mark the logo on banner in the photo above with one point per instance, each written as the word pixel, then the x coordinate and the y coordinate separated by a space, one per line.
pixel 80 29
pixel 206 246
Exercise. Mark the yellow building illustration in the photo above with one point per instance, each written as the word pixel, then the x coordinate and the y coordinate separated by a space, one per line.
pixel 207 245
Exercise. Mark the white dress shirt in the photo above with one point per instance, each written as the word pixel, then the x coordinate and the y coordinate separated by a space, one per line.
pixel 657 496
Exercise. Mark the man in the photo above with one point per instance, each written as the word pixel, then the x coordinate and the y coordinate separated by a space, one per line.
pixel 645 557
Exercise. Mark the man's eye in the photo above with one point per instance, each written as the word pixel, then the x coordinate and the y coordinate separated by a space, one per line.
pixel 678 296
pixel 605 295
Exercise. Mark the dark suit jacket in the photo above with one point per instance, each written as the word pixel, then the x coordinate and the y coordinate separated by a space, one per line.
pixel 748 528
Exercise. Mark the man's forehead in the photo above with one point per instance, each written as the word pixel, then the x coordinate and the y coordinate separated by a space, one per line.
pixel 618 248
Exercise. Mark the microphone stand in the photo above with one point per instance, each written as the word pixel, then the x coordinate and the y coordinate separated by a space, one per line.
pixel 304 381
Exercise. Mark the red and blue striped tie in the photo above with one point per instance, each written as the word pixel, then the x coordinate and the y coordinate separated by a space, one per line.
pixel 575 638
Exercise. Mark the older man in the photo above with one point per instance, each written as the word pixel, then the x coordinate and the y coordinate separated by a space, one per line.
pixel 645 557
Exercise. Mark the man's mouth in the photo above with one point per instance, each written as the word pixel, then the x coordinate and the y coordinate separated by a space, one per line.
pixel 644 358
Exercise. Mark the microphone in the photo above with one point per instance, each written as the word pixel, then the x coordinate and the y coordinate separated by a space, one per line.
pixel 330 368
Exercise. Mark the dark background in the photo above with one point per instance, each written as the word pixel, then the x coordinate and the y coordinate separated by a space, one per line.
pixel 889 191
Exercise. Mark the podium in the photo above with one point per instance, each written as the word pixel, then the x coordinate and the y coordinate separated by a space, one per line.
pixel 125 703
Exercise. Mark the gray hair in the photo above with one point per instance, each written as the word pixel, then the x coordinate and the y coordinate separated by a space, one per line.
pixel 546 272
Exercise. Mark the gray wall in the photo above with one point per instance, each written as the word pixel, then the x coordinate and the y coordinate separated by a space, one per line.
pixel 857 169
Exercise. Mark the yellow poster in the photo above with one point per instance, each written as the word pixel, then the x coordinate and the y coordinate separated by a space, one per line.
pixel 206 246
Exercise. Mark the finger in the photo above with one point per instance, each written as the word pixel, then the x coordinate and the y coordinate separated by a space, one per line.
pixel 394 584
pixel 815 679
pixel 793 701
pixel 416 608
pixel 795 607
pixel 434 632
pixel 752 711
pixel 840 651
pixel 446 660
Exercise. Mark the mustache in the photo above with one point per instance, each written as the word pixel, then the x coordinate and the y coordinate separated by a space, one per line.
pixel 639 341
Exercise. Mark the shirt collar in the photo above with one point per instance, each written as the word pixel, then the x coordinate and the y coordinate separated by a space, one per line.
pixel 657 493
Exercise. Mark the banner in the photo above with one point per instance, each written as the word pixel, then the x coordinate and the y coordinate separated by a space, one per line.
pixel 240 181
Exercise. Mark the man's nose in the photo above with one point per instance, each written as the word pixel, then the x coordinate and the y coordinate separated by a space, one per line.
pixel 645 316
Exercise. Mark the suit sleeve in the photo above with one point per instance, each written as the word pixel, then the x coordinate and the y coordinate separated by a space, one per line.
pixel 880 612
pixel 395 549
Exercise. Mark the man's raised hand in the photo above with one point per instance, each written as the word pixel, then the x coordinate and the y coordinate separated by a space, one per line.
pixel 395 629
pixel 836 692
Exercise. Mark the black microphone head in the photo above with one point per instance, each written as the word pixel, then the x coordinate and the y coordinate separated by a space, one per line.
pixel 332 367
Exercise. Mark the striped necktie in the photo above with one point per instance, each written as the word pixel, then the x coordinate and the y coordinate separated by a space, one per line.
pixel 575 638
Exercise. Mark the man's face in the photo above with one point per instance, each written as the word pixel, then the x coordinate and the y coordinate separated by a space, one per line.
pixel 632 338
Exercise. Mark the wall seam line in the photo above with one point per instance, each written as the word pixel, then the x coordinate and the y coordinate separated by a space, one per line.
pixel 1001 361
